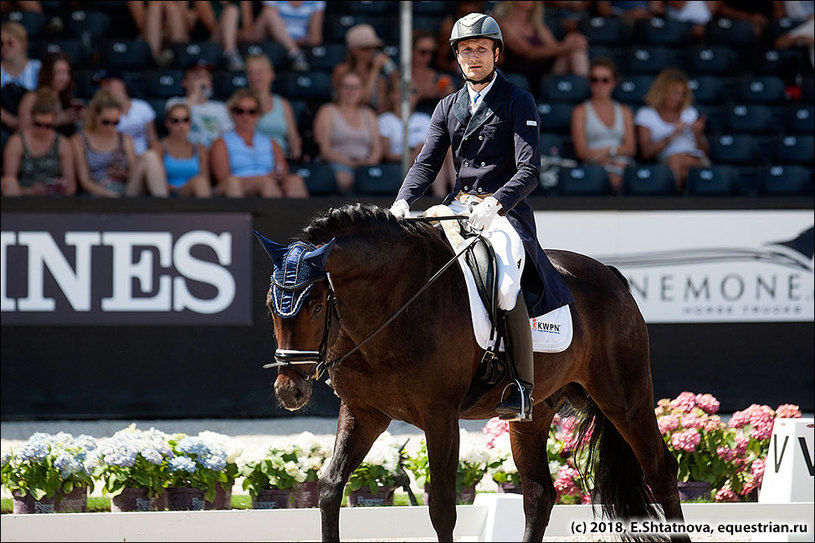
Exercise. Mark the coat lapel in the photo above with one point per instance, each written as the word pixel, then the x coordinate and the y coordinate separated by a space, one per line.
pixel 461 108
pixel 492 102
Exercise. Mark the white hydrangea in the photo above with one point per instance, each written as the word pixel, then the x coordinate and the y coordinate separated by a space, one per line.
pixel 385 453
pixel 232 448
pixel 472 450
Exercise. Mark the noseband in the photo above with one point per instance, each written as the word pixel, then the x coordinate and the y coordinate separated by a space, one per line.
pixel 291 358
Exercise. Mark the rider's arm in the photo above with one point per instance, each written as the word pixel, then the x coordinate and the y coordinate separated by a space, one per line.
pixel 526 127
pixel 427 165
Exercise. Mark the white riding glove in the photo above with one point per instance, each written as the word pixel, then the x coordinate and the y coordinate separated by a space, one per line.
pixel 482 215
pixel 400 209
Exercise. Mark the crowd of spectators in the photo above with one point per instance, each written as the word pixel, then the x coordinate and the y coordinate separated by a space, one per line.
pixel 245 98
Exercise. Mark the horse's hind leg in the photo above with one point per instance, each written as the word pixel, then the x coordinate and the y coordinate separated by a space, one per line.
pixel 529 452
pixel 356 432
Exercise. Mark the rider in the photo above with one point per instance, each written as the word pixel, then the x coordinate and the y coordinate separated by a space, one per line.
pixel 493 127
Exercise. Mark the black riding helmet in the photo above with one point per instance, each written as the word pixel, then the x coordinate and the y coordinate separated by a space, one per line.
pixel 476 25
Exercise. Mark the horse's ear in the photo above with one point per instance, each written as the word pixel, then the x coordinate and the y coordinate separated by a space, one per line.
pixel 318 257
pixel 275 251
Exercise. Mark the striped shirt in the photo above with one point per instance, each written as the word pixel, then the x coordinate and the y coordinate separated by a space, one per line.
pixel 297 17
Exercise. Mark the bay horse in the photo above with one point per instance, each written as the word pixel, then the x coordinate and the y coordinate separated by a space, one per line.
pixel 420 367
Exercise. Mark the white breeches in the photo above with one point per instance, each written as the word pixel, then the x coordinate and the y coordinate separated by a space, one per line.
pixel 509 253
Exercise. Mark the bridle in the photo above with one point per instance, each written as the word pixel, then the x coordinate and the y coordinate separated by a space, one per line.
pixel 291 358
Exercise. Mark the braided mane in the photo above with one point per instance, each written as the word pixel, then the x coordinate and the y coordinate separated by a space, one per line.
pixel 364 218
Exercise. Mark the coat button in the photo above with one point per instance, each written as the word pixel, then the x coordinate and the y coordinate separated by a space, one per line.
pixel 480 138
pixel 466 188
pixel 466 163
pixel 480 189
pixel 482 163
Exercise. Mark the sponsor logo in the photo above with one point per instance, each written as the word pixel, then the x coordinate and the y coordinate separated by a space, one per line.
pixel 125 269
pixel 544 326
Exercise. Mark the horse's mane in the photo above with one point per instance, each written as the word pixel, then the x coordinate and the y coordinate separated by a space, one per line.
pixel 363 218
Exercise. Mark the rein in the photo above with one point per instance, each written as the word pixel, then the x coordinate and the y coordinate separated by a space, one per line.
pixel 291 358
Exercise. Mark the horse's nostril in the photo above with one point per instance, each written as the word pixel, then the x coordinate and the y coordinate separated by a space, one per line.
pixel 298 395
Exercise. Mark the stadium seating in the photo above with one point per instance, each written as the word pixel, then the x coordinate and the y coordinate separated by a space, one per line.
pixel 319 178
pixel 518 79
pixel 721 180
pixel 715 60
pixel 273 50
pixel 31 21
pixel 765 89
pixel 94 25
pixel 382 180
pixel 796 149
pixel 802 120
pixel 225 83
pixel 551 144
pixel 733 149
pixel 730 32
pixel 337 25
pixel 164 84
pixel 648 180
pixel 707 89
pixel 564 88
pixel 424 7
pixel 650 60
pixel 186 54
pixel 584 180
pixel 325 57
pixel 555 117
pixel 632 89
pixel 305 85
pixel 71 47
pixel 660 31
pixel 126 54
pixel 786 181
pixel 782 63
pixel 749 118
pixel 603 30
pixel 369 7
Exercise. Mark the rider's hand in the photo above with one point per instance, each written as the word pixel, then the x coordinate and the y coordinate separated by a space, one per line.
pixel 483 214
pixel 400 209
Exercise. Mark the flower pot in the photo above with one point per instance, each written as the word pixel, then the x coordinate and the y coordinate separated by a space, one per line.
pixel 159 501
pixel 693 490
pixel 25 505
pixel 306 495
pixel 465 496
pixel 130 499
pixel 509 488
pixel 75 502
pixel 273 498
pixel 222 499
pixel 185 499
pixel 365 498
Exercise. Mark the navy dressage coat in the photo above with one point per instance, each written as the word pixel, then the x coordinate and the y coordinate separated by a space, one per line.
pixel 496 151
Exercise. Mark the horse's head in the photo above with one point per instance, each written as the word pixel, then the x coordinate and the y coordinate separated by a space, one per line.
pixel 300 300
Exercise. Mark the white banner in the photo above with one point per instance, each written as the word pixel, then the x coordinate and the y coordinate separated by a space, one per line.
pixel 699 266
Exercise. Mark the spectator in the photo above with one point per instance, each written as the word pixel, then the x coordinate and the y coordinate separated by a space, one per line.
pixel 803 35
pixel 669 128
pixel 445 58
pixel 106 160
pixel 21 5
pixel 532 49
pixel 698 13
pixel 159 24
pixel 277 119
pixel 371 64
pixel 186 164
pixel 246 162
pixel 37 161
pixel 210 118
pixel 428 83
pixel 630 11
pixel 758 12
pixel 18 73
pixel 227 23
pixel 293 25
pixel 569 12
pixel 347 132
pixel 391 133
pixel 137 117
pixel 56 76
pixel 602 128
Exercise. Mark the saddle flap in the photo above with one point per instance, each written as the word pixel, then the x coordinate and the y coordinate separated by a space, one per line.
pixel 481 260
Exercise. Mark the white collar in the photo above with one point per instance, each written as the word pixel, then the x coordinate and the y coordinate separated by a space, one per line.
pixel 483 93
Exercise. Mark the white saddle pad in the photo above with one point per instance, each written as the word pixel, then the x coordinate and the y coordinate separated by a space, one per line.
pixel 551 333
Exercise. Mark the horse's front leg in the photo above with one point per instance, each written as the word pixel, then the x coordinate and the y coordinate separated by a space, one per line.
pixel 442 451
pixel 356 432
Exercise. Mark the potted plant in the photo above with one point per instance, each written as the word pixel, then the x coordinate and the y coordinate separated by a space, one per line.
pixel 222 446
pixel 193 471
pixel 376 478
pixel 132 466
pixel 502 466
pixel 312 456
pixel 270 474
pixel 49 473
pixel 472 464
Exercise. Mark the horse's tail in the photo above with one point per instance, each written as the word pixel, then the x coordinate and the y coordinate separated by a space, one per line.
pixel 619 483
pixel 620 276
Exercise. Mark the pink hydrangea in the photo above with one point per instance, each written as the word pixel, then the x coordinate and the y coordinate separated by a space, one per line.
pixel 569 424
pixel 691 420
pixel 707 402
pixel 741 444
pixel 565 482
pixel 725 453
pixel 686 440
pixel 585 499
pixel 713 423
pixel 495 428
pixel 684 402
pixel 757 470
pixel 748 487
pixel 725 495
pixel 739 419
pixel 760 414
pixel 668 423
pixel 788 411
pixel 762 430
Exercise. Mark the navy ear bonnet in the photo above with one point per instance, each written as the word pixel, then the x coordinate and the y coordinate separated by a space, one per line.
pixel 297 267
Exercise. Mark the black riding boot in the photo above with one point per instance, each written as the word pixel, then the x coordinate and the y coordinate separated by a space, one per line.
pixel 517 401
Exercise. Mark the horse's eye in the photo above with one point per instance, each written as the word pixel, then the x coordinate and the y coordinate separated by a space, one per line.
pixel 318 308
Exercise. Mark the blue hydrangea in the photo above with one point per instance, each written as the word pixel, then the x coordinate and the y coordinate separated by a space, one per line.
pixel 67 465
pixel 151 455
pixel 215 462
pixel 182 463
pixel 35 449
pixel 119 452
pixel 193 445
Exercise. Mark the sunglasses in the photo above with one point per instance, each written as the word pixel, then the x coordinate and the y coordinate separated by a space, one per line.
pixel 38 124
pixel 179 120
pixel 600 79
pixel 108 122
pixel 241 111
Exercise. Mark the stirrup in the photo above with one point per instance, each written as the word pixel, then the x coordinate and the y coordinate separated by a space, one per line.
pixel 525 413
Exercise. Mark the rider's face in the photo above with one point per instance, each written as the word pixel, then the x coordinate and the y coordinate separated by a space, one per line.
pixel 476 57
